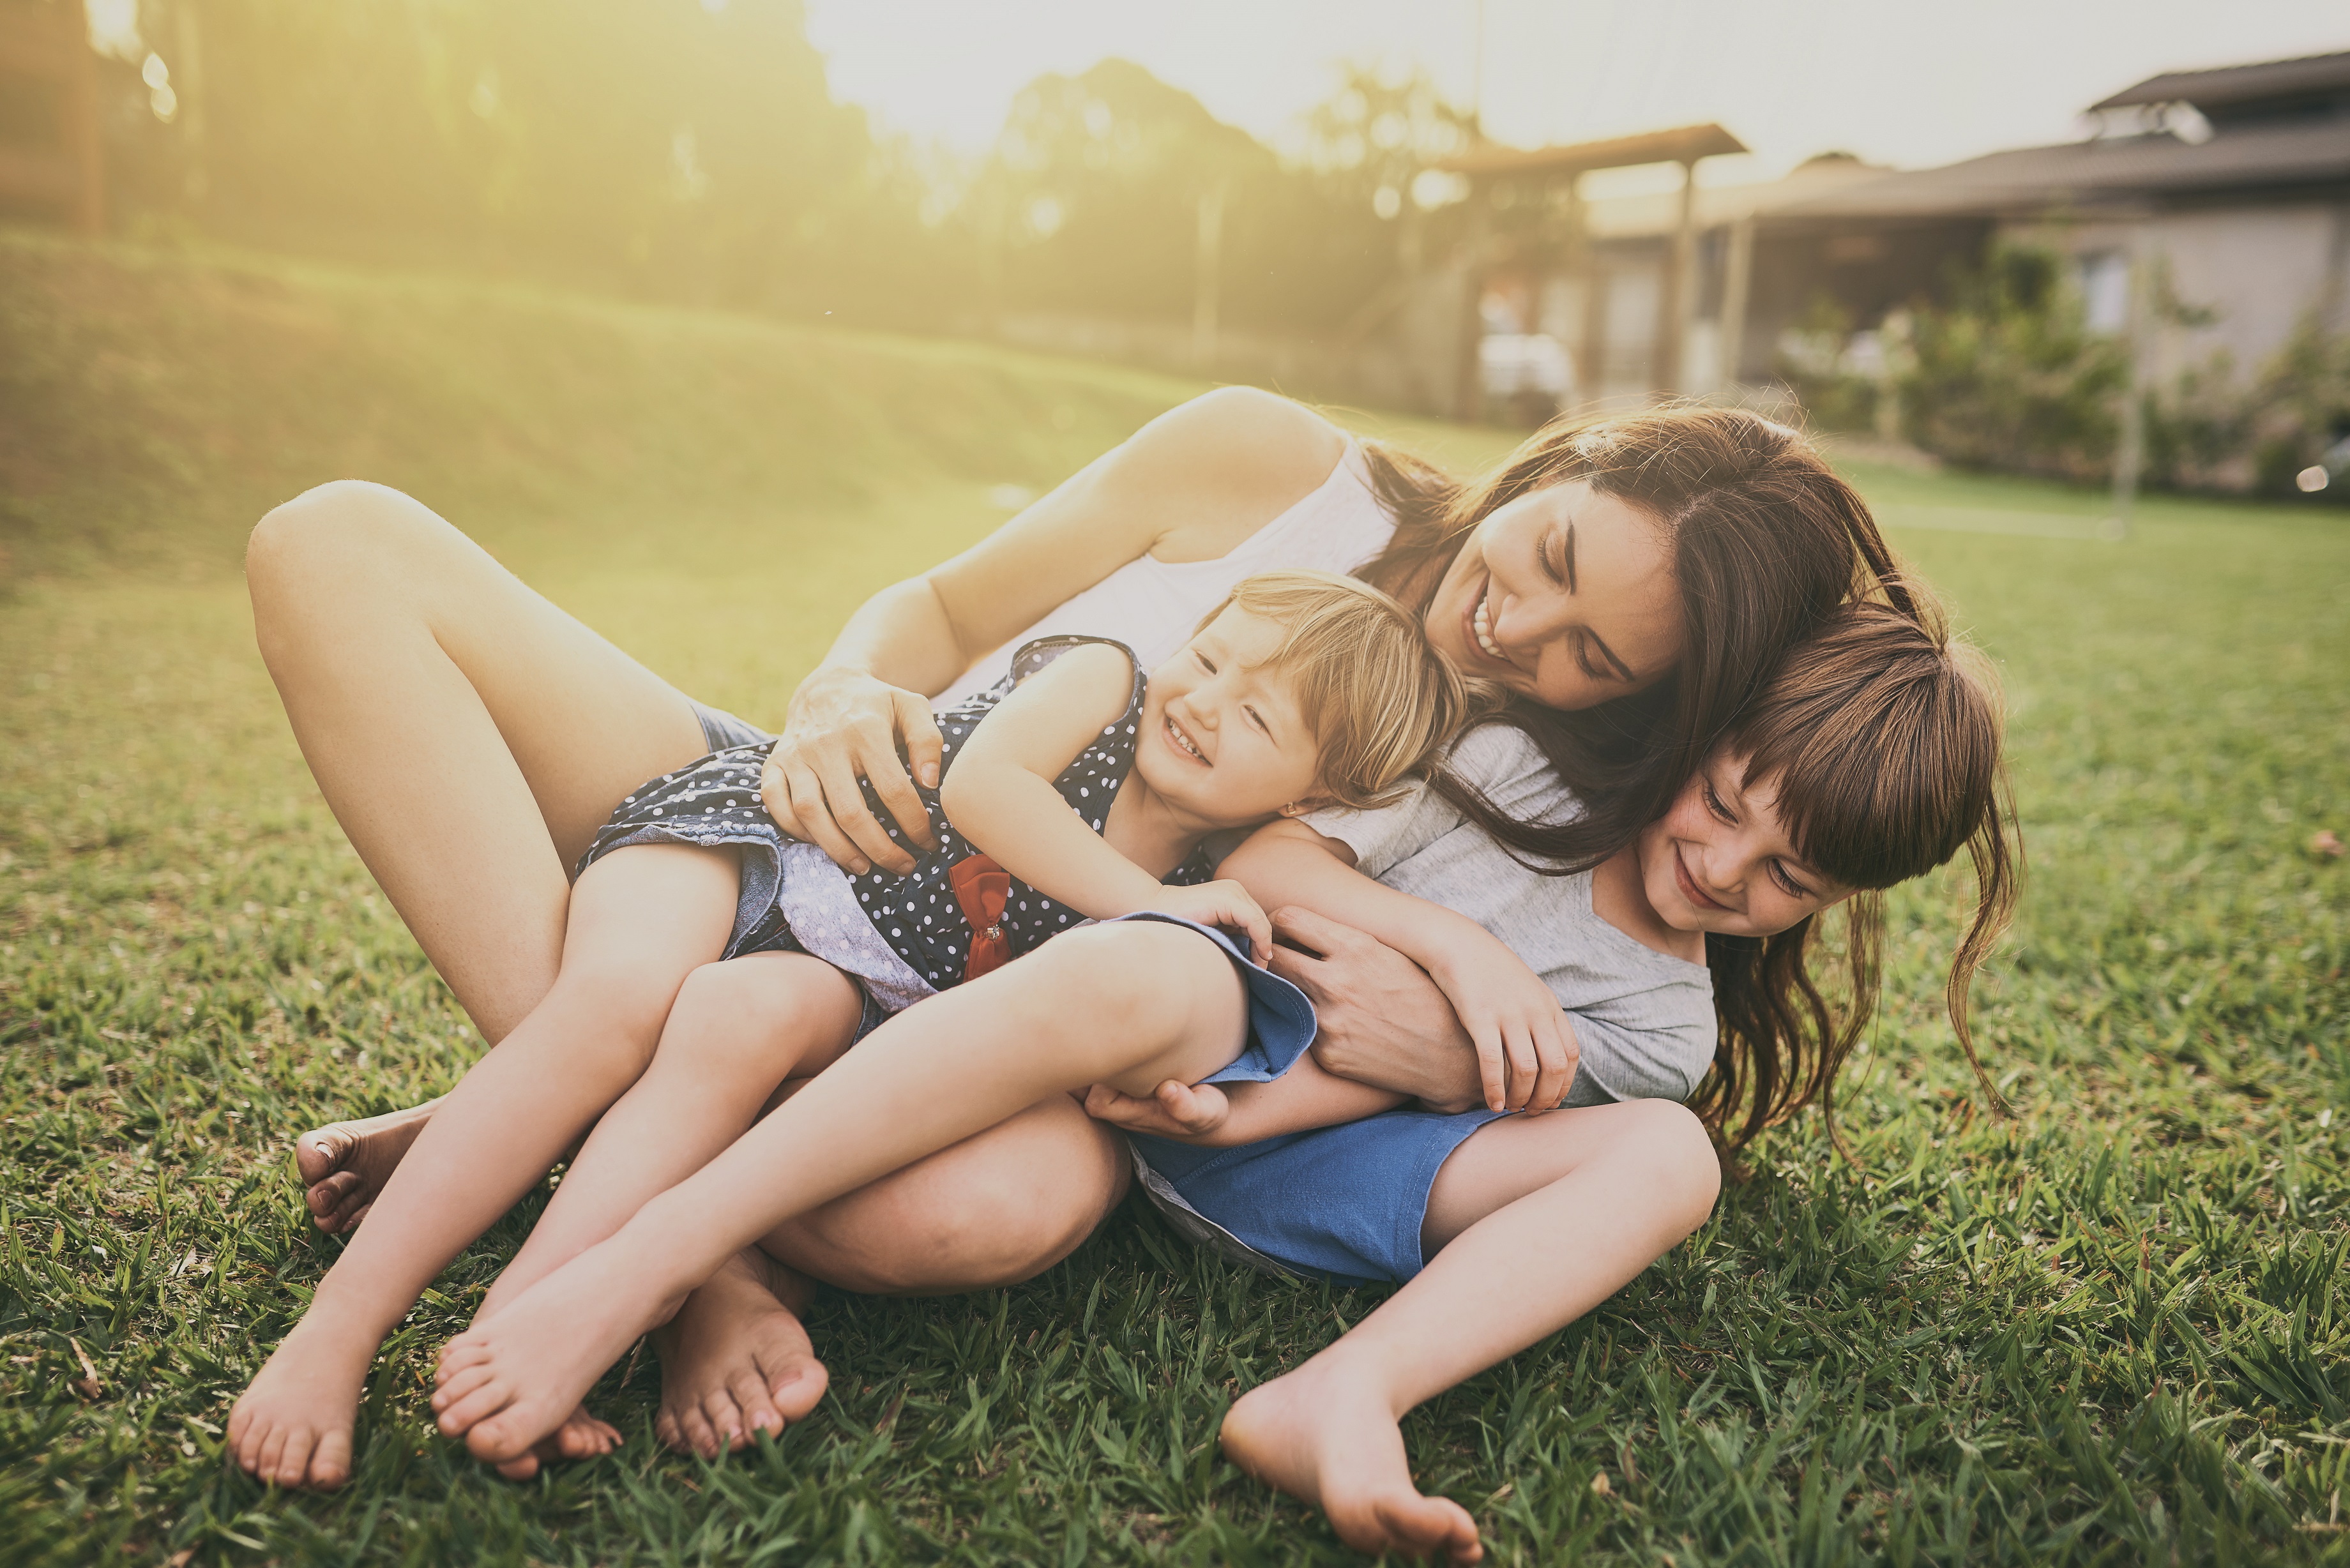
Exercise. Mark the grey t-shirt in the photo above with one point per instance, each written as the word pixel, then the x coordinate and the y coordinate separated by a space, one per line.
pixel 1644 1019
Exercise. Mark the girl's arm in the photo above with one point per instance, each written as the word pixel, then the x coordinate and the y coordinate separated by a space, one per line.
pixel 1001 796
pixel 1525 1047
pixel 1217 1115
pixel 1190 486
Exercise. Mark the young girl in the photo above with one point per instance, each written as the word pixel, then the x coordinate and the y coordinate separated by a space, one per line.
pixel 1072 789
pixel 1873 758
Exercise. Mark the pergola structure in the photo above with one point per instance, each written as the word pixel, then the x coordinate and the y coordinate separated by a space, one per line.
pixel 1490 164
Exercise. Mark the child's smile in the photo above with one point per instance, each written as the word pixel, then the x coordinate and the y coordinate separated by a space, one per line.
pixel 1233 747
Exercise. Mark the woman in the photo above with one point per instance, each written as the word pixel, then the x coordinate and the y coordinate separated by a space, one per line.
pixel 1629 584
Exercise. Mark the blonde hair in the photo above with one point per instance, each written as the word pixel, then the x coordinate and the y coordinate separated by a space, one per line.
pixel 1381 701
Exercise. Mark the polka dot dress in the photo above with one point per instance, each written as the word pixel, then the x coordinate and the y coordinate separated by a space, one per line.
pixel 716 802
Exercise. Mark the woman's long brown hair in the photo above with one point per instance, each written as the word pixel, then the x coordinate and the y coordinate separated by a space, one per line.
pixel 1784 579
pixel 1766 543
pixel 1879 738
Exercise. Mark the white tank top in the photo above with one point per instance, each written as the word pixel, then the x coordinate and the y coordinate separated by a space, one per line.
pixel 1152 606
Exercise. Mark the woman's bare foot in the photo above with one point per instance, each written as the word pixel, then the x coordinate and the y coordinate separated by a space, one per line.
pixel 345 1164
pixel 735 1360
pixel 1331 1438
pixel 293 1425
pixel 510 1381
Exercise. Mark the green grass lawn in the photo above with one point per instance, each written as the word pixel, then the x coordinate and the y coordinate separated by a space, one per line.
pixel 2104 1331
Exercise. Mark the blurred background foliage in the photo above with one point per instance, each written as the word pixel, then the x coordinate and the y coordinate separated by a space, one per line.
pixel 690 151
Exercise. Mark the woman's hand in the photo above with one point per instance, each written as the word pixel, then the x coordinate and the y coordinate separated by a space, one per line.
pixel 1225 904
pixel 1184 1113
pixel 1526 1053
pixel 1383 1020
pixel 843 726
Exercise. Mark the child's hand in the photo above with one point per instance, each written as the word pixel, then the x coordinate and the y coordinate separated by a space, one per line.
pixel 1179 1111
pixel 1221 904
pixel 1527 1052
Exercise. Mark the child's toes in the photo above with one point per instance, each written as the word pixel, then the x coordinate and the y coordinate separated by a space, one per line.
pixel 330 1462
pixel 500 1438
pixel 519 1468
pixel 272 1443
pixel 459 1354
pixel 294 1458
pixel 466 1411
pixel 461 1384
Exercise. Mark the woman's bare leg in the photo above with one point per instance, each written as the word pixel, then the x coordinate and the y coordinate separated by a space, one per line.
pixel 470 738
pixel 1540 1219
pixel 1126 1004
pixel 997 1207
pixel 639 923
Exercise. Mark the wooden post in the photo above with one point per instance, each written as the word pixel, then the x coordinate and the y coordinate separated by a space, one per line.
pixel 1737 282
pixel 2130 460
pixel 1674 300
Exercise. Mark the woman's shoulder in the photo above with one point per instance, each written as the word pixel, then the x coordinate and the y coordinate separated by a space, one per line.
pixel 1224 465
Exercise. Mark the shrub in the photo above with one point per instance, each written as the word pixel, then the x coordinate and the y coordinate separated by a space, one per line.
pixel 2009 375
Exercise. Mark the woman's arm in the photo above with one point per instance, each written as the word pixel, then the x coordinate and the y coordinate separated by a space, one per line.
pixel 1191 486
pixel 1003 797
pixel 1381 1020
pixel 1216 1116
pixel 1524 1046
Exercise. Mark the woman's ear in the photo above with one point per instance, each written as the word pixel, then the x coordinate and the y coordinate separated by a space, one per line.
pixel 1297 808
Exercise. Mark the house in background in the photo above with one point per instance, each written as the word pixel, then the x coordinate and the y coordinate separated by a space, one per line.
pixel 2231 184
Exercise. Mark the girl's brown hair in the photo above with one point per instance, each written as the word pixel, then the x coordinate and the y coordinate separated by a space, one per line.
pixel 1879 737
pixel 1380 701
pixel 1766 543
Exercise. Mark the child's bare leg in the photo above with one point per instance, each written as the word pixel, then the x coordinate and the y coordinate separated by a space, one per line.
pixel 1002 1206
pixel 1540 1219
pixel 639 922
pixel 736 1030
pixel 1133 1002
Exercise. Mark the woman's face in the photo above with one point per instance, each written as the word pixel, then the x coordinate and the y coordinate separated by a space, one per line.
pixel 1565 596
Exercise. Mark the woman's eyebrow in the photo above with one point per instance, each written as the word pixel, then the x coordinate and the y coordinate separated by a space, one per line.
pixel 1567 565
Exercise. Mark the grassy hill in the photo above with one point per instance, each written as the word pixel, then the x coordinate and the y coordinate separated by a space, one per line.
pixel 2107 1331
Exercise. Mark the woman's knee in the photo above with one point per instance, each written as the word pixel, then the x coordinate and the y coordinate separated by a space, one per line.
pixel 313 553
pixel 956 1222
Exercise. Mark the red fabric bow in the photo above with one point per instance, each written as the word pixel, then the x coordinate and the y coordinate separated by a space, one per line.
pixel 980 887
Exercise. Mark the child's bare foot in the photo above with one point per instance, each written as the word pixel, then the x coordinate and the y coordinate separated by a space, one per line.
pixel 735 1360
pixel 293 1425
pixel 581 1436
pixel 513 1379
pixel 1329 1438
pixel 345 1164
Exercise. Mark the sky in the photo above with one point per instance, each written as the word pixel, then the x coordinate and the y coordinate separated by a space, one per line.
pixel 1896 81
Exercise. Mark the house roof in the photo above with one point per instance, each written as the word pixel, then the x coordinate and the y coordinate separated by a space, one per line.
pixel 2106 172
pixel 1682 144
pixel 2311 76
